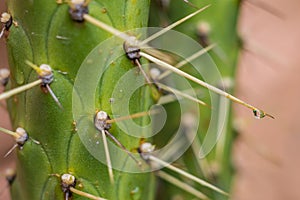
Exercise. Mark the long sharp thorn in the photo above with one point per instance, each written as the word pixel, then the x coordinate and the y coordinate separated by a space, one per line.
pixel 11 150
pixel 108 160
pixel 133 116
pixel 35 141
pixel 53 96
pixel 203 163
pixel 123 147
pixel 181 185
pixel 196 55
pixel 202 83
pixel 67 196
pixel 169 98
pixel 177 92
pixel 20 89
pixel 2 32
pixel 187 175
pixel 187 60
pixel 14 134
pixel 33 66
pixel 84 194
pixel 106 27
pixel 190 4
pixel 125 36
pixel 137 62
pixel 159 33
pixel 159 54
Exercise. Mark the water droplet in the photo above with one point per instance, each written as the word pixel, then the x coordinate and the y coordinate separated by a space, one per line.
pixel 258 114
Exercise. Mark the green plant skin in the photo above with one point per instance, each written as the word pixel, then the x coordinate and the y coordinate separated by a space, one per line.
pixel 222 17
pixel 61 151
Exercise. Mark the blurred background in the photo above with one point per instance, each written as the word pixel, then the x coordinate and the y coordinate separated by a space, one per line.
pixel 266 151
pixel 6 142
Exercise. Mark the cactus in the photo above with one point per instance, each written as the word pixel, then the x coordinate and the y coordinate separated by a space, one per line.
pixel 60 150
pixel 69 126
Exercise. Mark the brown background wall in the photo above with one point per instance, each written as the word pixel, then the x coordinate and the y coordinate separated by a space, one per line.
pixel 6 142
pixel 267 154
